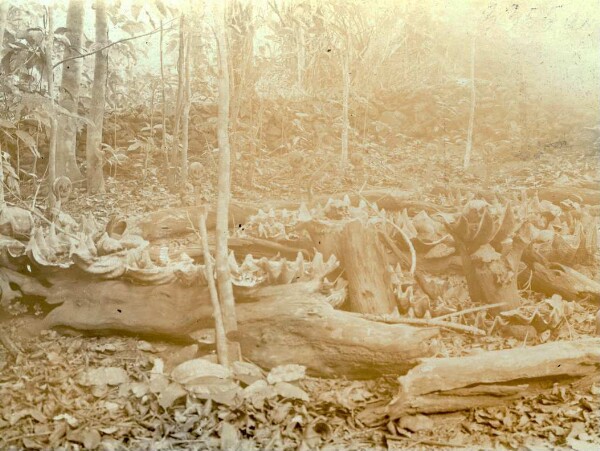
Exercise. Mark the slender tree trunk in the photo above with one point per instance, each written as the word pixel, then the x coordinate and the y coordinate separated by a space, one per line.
pixel 345 119
pixel 53 122
pixel 220 335
pixel 187 98
pixel 66 162
pixel 238 90
pixel 3 14
pixel 301 62
pixel 4 6
pixel 523 116
pixel 469 149
pixel 180 97
pixel 163 144
pixel 95 177
pixel 224 185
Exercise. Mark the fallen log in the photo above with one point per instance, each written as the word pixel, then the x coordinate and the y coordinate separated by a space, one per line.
pixel 553 278
pixel 487 379
pixel 276 324
pixel 566 281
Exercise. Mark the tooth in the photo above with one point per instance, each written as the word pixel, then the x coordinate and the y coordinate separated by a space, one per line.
pixel 263 263
pixel 332 263
pixel 300 264
pixel 274 269
pixel 346 200
pixel 362 204
pixel 288 273
pixel 303 213
pixel 398 269
pixel 318 265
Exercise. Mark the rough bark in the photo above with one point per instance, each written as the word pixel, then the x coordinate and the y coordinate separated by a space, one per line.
pixel 66 162
pixel 276 325
pixel 355 243
pixel 554 278
pixel 95 176
pixel 489 378
pixel 363 260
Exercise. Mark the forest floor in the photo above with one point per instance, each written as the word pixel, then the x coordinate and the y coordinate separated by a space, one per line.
pixel 52 398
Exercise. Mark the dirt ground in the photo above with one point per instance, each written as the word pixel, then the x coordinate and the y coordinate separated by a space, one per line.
pixel 50 401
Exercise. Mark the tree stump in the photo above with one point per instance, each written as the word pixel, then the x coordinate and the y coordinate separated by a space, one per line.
pixel 491 250
pixel 362 258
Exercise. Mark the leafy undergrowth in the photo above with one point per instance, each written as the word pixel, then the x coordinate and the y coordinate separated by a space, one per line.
pixel 123 393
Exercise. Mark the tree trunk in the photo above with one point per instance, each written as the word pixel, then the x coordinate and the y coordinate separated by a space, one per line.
pixel 187 98
pixel 369 285
pixel 354 243
pixel 4 6
pixel 52 115
pixel 490 267
pixel 66 162
pixel 345 100
pixel 224 285
pixel 301 59
pixel 469 149
pixel 180 98
pixel 163 144
pixel 95 176
pixel 3 14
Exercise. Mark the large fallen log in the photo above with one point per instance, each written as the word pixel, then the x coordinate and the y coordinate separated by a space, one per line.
pixel 487 379
pixel 276 325
pixel 553 278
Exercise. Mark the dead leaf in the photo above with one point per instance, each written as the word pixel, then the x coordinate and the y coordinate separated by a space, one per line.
pixel 416 423
pixel 103 376
pixel 286 373
pixel 229 437
pixel 289 391
pixel 193 369
pixel 170 395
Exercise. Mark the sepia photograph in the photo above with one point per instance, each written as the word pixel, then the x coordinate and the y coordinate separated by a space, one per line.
pixel 313 225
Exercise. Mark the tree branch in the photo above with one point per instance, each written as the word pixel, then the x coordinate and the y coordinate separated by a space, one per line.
pixel 156 30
